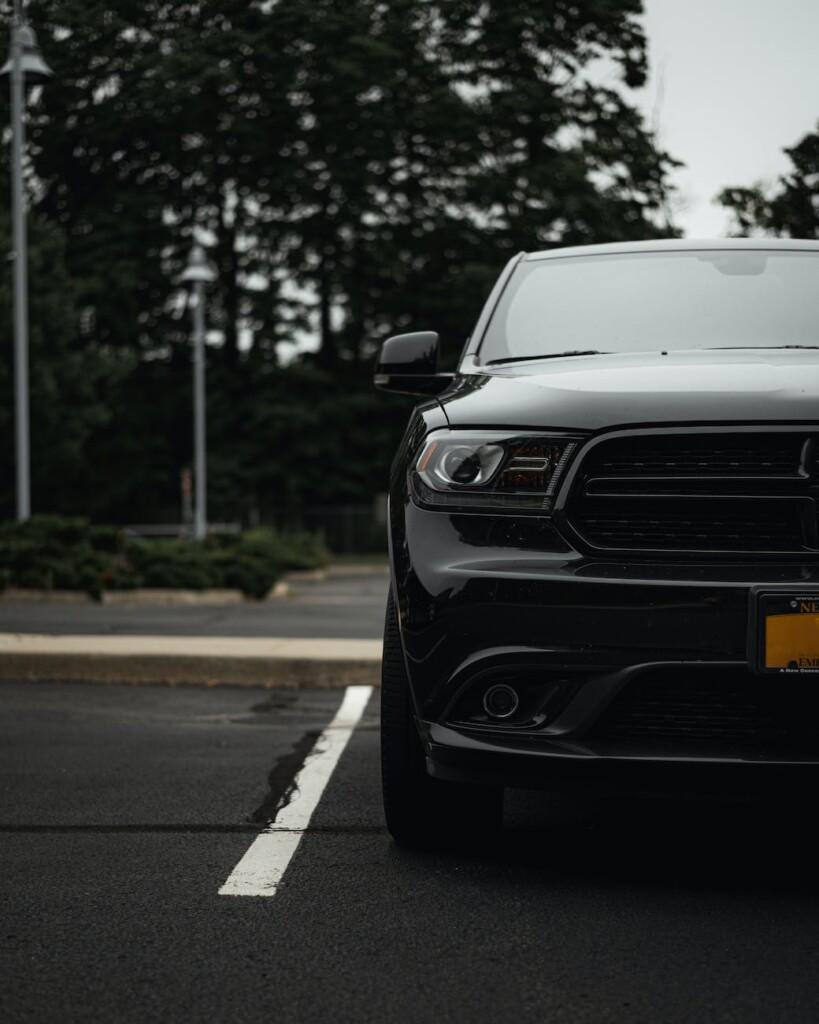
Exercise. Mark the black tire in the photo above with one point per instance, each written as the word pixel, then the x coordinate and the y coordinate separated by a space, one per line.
pixel 422 811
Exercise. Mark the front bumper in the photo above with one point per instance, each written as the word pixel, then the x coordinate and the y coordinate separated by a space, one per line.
pixel 455 757
pixel 473 605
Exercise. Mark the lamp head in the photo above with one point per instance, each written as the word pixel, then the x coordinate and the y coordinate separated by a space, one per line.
pixel 35 69
pixel 198 268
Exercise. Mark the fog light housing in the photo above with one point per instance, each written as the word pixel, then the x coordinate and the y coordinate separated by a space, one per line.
pixel 500 701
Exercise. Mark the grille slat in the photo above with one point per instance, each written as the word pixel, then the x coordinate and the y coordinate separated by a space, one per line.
pixel 707 492
pixel 728 709
pixel 675 531
pixel 663 456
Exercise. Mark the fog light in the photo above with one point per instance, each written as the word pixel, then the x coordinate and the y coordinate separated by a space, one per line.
pixel 500 701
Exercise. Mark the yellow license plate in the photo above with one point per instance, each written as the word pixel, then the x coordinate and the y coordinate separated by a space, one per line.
pixel 792 639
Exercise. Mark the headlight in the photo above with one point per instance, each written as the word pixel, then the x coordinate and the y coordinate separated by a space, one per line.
pixel 493 470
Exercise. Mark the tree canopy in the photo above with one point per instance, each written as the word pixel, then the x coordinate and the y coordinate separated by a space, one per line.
pixel 360 168
pixel 791 206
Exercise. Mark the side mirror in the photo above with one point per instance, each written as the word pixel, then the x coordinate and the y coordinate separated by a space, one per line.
pixel 408 364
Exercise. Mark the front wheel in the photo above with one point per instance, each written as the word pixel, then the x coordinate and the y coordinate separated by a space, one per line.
pixel 420 810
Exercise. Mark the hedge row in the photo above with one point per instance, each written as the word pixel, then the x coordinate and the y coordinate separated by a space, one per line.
pixel 56 553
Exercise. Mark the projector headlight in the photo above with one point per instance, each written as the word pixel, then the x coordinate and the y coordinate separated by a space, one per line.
pixel 493 471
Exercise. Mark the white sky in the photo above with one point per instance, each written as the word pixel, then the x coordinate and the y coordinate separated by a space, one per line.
pixel 732 82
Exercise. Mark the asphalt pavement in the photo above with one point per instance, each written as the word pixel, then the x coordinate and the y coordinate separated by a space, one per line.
pixel 345 605
pixel 123 810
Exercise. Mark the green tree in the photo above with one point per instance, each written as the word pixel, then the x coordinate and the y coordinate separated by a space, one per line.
pixel 362 168
pixel 71 383
pixel 791 207
pixel 439 138
pixel 383 157
pixel 157 125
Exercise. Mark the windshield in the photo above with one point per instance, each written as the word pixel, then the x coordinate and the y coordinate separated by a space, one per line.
pixel 658 301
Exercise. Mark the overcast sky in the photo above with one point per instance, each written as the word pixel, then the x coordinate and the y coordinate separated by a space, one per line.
pixel 732 83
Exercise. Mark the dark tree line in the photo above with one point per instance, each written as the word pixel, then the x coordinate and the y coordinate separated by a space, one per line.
pixel 791 206
pixel 360 166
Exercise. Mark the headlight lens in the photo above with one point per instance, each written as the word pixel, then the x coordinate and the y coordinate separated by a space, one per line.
pixel 491 471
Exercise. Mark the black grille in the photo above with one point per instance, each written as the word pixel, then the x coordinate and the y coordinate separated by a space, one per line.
pixel 701 530
pixel 703 454
pixel 704 492
pixel 722 710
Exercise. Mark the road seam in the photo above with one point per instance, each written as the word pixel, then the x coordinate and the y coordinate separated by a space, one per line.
pixel 336 830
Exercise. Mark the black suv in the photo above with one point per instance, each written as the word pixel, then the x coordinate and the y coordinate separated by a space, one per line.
pixel 604 530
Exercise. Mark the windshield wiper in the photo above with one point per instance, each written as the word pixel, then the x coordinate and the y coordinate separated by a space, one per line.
pixel 725 348
pixel 547 355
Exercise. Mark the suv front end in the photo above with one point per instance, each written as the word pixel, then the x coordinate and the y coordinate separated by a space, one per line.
pixel 606 570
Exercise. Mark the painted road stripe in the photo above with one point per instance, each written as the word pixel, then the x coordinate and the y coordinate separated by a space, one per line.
pixel 260 871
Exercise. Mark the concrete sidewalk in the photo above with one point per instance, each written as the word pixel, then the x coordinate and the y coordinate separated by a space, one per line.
pixel 327 633
pixel 186 660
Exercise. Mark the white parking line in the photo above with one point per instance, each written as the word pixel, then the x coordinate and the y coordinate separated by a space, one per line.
pixel 260 871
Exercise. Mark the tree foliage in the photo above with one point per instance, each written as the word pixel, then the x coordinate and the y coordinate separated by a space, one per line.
pixel 71 383
pixel 791 207
pixel 361 168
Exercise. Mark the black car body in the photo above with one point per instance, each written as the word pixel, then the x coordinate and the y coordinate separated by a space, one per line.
pixel 598 559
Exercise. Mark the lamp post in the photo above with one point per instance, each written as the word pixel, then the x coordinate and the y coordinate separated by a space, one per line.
pixel 197 274
pixel 25 66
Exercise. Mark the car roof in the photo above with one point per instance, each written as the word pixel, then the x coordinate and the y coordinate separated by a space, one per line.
pixel 678 245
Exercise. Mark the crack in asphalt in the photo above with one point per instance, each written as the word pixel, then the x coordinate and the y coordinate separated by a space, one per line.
pixel 281 790
pixel 181 829
pixel 282 778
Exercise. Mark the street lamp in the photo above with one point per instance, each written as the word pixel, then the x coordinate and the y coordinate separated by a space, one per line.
pixel 25 66
pixel 197 274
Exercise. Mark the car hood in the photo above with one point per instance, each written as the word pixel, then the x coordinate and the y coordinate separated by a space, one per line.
pixel 598 392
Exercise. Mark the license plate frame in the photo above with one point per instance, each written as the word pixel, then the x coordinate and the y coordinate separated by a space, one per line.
pixel 780 618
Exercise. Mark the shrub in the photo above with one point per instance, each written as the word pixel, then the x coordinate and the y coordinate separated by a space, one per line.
pixel 172 563
pixel 296 550
pixel 253 576
pixel 51 553
pixel 55 553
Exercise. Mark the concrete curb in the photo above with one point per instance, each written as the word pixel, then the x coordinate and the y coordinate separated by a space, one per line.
pixel 335 570
pixel 29 595
pixel 356 569
pixel 142 597
pixel 199 661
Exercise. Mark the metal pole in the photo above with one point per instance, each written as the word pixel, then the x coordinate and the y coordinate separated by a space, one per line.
pixel 20 272
pixel 200 522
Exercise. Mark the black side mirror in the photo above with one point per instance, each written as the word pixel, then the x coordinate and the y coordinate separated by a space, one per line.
pixel 408 364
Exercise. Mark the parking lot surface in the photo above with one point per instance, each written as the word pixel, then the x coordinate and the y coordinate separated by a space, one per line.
pixel 124 810
pixel 345 605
